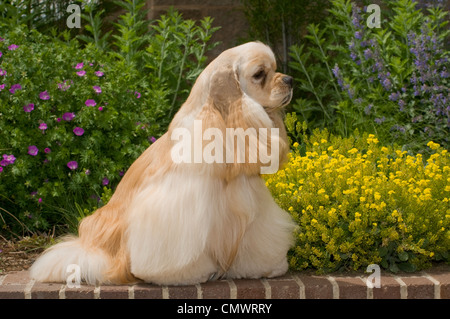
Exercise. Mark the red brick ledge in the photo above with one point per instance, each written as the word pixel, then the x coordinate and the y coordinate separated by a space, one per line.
pixel 295 285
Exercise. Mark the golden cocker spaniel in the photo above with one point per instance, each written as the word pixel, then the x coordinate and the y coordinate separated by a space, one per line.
pixel 193 207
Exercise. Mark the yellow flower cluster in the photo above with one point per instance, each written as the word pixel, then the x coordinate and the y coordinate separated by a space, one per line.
pixel 357 203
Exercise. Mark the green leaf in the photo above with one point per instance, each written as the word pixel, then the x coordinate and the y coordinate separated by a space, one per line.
pixel 403 256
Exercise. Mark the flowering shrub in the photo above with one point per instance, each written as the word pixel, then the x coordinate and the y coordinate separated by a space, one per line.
pixel 357 202
pixel 72 120
pixel 392 81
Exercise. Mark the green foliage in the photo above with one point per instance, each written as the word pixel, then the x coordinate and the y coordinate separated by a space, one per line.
pixel 357 202
pixel 392 81
pixel 75 118
pixel 280 23
pixel 176 54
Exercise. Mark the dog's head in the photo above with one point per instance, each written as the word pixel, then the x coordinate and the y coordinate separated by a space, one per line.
pixel 240 90
pixel 249 70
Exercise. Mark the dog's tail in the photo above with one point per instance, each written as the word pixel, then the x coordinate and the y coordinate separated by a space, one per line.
pixel 67 258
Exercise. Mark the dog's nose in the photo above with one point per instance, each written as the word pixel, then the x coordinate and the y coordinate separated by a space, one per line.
pixel 288 80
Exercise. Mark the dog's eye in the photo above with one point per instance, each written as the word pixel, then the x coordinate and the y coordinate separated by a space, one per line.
pixel 259 75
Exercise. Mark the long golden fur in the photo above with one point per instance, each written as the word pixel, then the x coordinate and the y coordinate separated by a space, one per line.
pixel 185 223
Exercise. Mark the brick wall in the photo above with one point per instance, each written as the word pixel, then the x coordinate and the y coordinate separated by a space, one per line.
pixel 226 13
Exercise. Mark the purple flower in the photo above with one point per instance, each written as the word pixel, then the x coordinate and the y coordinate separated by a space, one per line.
pixel 87 172
pixel 68 116
pixel 2 72
pixel 32 150
pixel 43 126
pixel 358 35
pixel 44 95
pixel 79 66
pixel 100 108
pixel 81 73
pixel 394 96
pixel 28 108
pixel 99 73
pixel 7 160
pixel 12 47
pixel 1 54
pixel 90 102
pixel 64 86
pixel 152 139
pixel 97 89
pixel 1 170
pixel 105 181
pixel 401 103
pixel 2 87
pixel 78 131
pixel 47 150
pixel 380 120
pixel 72 165
pixel 367 54
pixel 387 84
pixel 14 88
pixel 138 95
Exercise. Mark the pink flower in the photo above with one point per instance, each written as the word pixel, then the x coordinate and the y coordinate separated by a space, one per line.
pixel 153 139
pixel 2 87
pixel 97 89
pixel 1 54
pixel 68 116
pixel 47 150
pixel 81 73
pixel 33 150
pixel 78 131
pixel 138 95
pixel 14 88
pixel 105 181
pixel 1 170
pixel 42 126
pixel 90 102
pixel 2 72
pixel 12 47
pixel 100 108
pixel 28 108
pixel 72 165
pixel 99 73
pixel 79 66
pixel 44 95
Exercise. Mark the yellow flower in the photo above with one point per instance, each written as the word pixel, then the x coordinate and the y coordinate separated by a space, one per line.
pixel 377 196
pixel 295 145
pixel 313 221
pixel 353 151
pixel 432 145
pixel 320 191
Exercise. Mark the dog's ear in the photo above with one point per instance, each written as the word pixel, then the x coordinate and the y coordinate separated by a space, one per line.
pixel 225 89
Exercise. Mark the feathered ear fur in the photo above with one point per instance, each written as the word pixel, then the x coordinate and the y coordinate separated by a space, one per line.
pixel 248 131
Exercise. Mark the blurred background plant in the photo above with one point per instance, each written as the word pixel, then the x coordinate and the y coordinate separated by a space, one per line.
pixel 392 81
